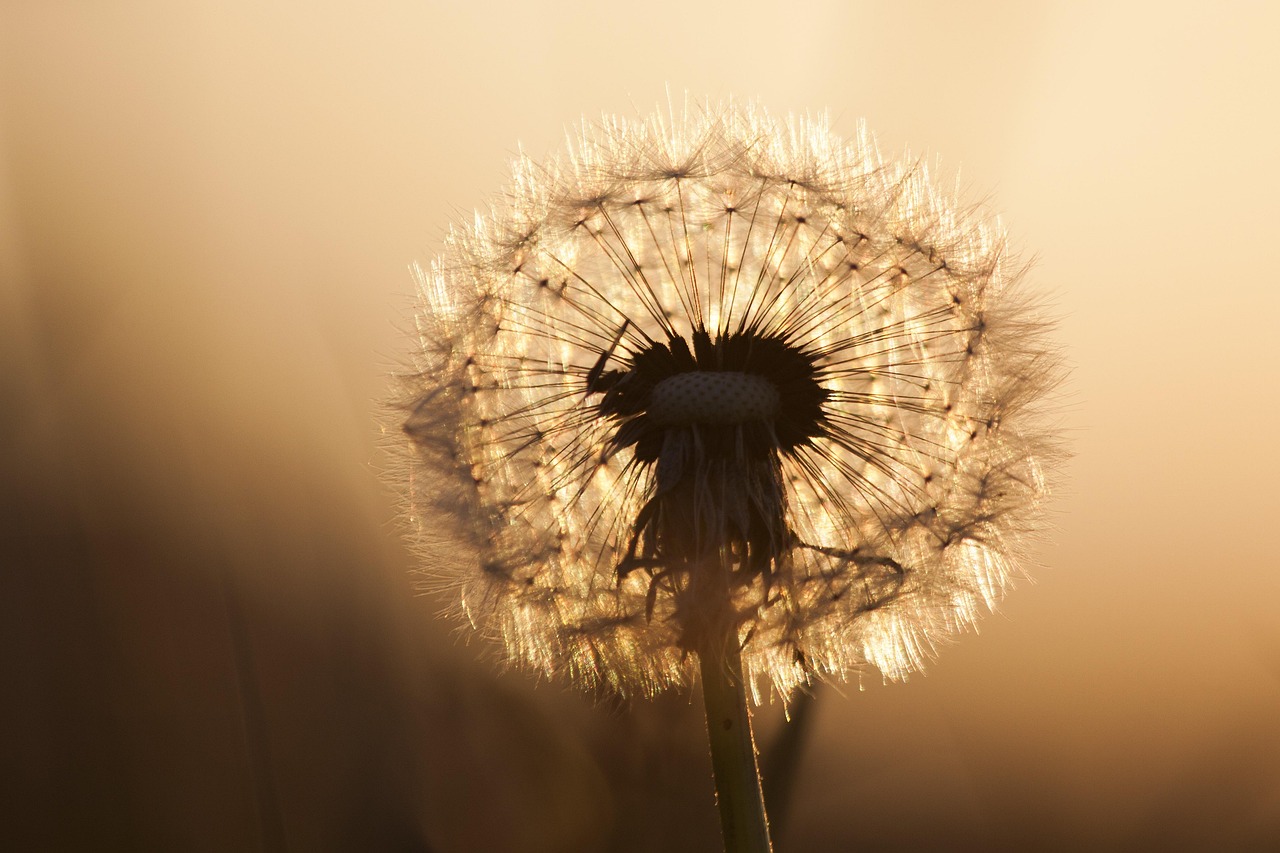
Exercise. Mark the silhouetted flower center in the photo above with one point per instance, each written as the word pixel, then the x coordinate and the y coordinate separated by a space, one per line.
pixel 714 417
pixel 710 397
pixel 749 395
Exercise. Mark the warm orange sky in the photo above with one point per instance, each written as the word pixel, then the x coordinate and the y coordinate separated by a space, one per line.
pixel 207 211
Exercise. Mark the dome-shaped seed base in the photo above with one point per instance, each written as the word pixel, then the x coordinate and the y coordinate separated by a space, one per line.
pixel 713 397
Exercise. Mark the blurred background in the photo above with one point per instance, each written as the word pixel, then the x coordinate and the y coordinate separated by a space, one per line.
pixel 210 638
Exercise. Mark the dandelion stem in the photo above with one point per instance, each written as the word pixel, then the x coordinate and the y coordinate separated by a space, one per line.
pixel 733 751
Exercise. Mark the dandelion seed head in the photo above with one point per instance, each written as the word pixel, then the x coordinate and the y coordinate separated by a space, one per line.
pixel 723 372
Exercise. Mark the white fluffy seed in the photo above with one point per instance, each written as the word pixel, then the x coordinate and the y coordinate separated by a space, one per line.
pixel 713 397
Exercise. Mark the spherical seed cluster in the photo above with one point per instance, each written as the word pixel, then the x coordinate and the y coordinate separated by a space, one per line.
pixel 724 373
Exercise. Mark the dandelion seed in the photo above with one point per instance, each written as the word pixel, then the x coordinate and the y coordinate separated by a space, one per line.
pixel 728 356
pixel 725 384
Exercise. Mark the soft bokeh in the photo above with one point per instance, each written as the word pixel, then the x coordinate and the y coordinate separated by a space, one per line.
pixel 210 637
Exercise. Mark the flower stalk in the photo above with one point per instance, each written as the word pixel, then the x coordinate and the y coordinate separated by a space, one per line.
pixel 733 751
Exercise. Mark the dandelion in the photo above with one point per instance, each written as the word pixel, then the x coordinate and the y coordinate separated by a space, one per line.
pixel 724 396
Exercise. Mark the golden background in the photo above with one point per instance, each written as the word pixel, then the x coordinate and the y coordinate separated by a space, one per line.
pixel 208 630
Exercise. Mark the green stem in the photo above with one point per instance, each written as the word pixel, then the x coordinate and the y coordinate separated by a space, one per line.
pixel 733 751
